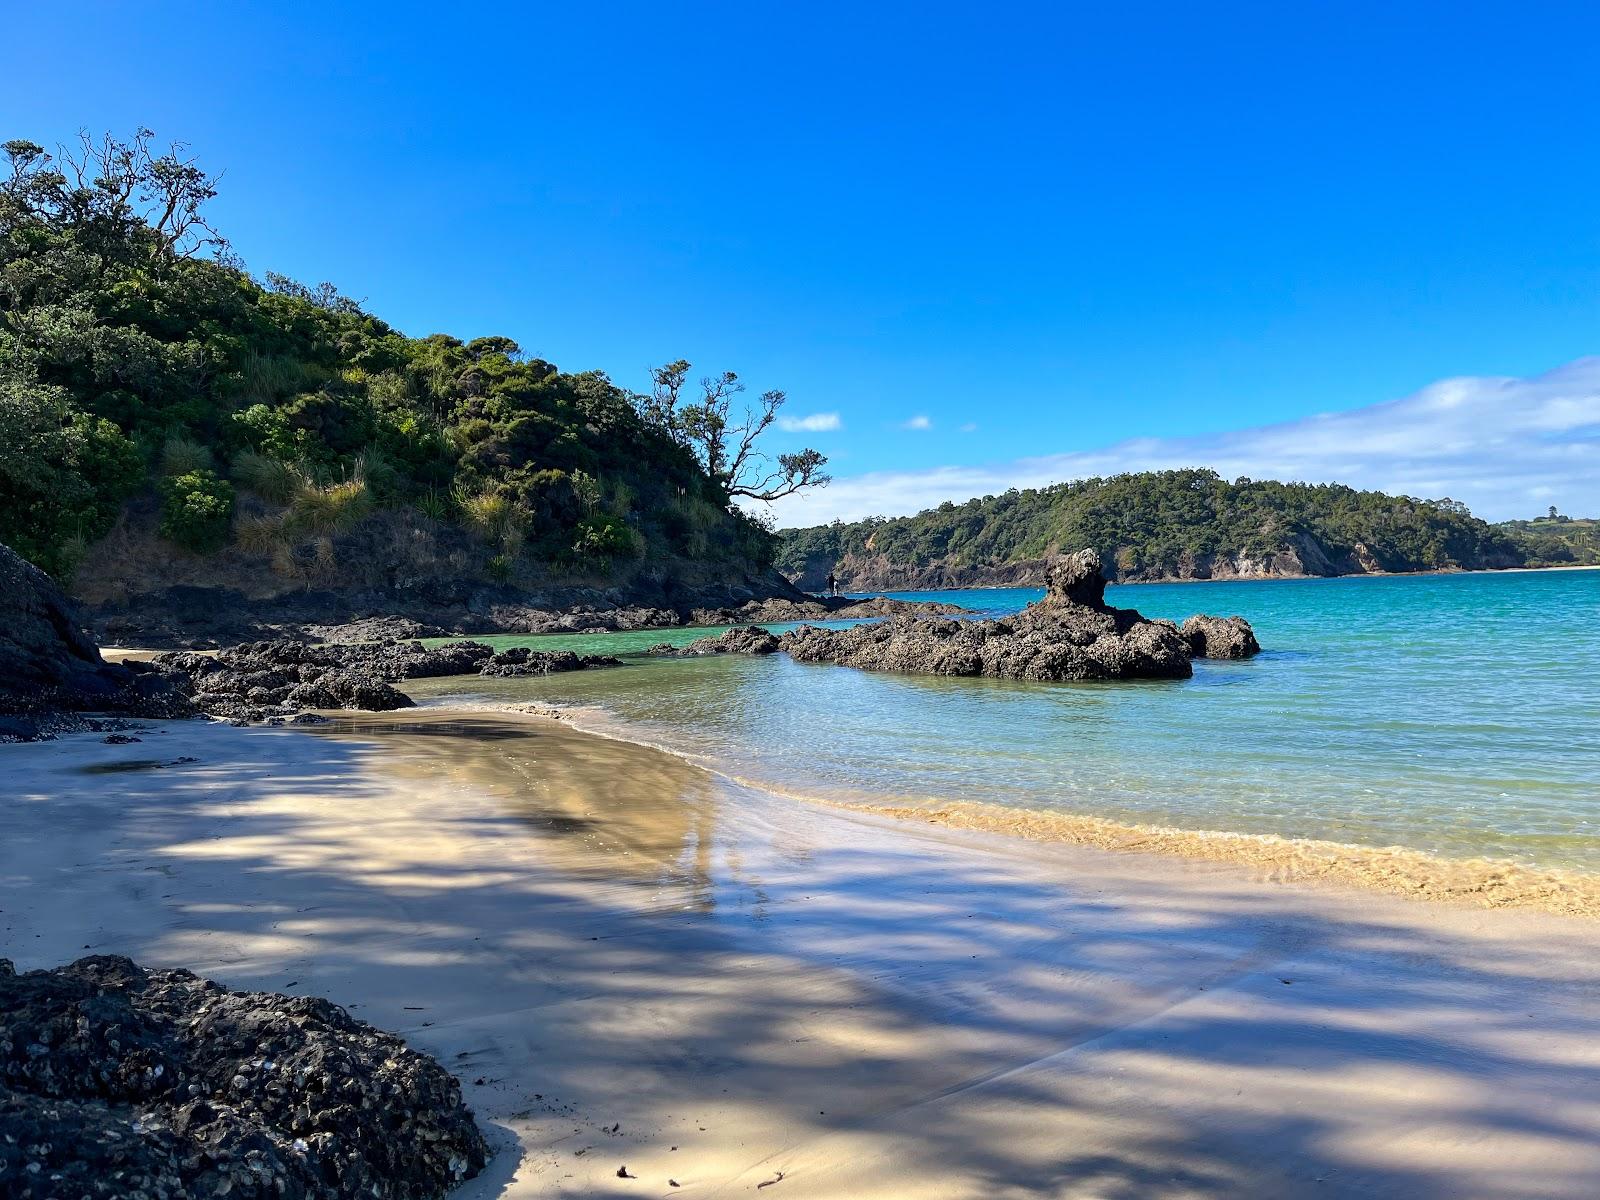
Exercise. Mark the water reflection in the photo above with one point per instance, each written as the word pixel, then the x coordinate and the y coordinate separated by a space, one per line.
pixel 598 808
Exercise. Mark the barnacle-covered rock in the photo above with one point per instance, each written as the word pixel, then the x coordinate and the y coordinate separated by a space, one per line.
pixel 523 660
pixel 749 639
pixel 120 1081
pixel 1220 637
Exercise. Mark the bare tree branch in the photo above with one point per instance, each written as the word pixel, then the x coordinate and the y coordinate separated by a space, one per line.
pixel 727 446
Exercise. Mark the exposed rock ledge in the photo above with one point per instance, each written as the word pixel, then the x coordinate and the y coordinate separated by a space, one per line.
pixel 750 639
pixel 271 681
pixel 122 1082
pixel 1070 634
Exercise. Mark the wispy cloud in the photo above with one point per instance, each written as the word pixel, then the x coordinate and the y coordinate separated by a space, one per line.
pixel 1508 447
pixel 970 427
pixel 920 421
pixel 814 423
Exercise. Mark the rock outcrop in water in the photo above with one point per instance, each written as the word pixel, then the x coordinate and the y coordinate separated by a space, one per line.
pixel 751 639
pixel 123 1082
pixel 1219 637
pixel 522 660
pixel 1070 634
pixel 50 669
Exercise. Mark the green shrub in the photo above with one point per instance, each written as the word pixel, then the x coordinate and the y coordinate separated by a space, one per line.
pixel 196 509
pixel 602 537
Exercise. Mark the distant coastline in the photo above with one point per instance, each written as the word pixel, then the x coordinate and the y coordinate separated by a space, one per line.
pixel 889 588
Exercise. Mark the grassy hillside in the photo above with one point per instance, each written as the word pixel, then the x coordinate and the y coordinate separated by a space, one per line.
pixel 1155 525
pixel 149 383
pixel 1556 540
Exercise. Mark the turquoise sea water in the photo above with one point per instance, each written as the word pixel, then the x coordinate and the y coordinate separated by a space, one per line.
pixel 1457 714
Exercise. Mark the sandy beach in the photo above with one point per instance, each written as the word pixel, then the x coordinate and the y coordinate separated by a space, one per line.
pixel 632 963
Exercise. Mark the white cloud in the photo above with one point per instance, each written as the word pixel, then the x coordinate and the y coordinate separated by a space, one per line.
pixel 814 423
pixel 970 427
pixel 920 421
pixel 1508 447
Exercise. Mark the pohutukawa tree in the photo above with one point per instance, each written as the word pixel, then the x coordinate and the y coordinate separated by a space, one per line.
pixel 725 444
pixel 123 187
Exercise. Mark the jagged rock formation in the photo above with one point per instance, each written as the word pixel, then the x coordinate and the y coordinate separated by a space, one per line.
pixel 268 681
pixel 750 639
pixel 1070 634
pixel 123 1082
pixel 261 680
pixel 1219 637
pixel 50 667
pixel 521 660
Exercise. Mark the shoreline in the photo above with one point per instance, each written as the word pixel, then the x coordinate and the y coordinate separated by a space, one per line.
pixel 630 962
pixel 1430 574
pixel 1272 859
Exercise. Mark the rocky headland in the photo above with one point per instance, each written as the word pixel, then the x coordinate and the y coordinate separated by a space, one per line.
pixel 126 1082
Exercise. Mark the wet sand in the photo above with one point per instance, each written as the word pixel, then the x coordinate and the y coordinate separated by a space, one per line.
pixel 631 962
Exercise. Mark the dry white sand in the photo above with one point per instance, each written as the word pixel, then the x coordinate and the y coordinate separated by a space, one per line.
pixel 632 963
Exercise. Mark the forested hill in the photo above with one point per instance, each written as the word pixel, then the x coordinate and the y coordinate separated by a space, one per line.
pixel 166 417
pixel 1156 525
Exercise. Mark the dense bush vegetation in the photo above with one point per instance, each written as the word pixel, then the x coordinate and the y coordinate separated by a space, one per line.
pixel 137 358
pixel 1166 523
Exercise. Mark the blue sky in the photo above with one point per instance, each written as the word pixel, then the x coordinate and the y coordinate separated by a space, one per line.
pixel 975 235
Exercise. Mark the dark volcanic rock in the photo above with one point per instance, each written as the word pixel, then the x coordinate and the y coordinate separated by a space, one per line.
pixel 49 666
pixel 125 1082
pixel 264 680
pixel 751 639
pixel 258 680
pixel 376 629
pixel 522 660
pixel 1219 637
pixel 1070 634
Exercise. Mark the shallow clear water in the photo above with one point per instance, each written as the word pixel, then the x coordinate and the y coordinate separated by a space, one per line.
pixel 1458 714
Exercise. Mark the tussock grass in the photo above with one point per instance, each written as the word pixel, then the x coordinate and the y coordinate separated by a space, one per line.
pixel 268 477
pixel 322 509
pixel 183 455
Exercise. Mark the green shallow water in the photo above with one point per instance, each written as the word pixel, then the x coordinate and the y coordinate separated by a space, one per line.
pixel 1457 714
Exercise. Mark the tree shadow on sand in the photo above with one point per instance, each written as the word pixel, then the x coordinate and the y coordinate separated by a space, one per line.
pixel 916 1013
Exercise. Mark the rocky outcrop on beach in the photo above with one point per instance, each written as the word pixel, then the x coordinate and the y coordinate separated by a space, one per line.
pixel 51 671
pixel 375 629
pixel 257 681
pixel 522 660
pixel 1070 634
pixel 1219 637
pixel 750 639
pixel 269 681
pixel 125 1082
